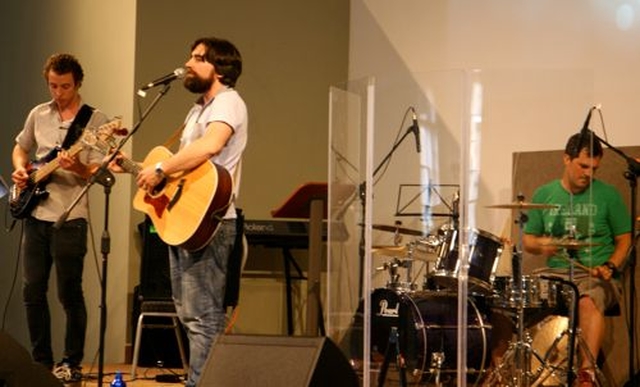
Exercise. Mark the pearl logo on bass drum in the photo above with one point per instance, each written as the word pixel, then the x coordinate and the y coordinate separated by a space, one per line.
pixel 385 311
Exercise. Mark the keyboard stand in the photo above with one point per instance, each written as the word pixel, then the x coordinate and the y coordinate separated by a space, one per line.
pixel 310 201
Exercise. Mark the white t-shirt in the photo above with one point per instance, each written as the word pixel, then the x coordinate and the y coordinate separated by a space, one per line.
pixel 228 107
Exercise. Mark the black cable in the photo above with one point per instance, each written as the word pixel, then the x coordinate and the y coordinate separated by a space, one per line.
pixel 15 277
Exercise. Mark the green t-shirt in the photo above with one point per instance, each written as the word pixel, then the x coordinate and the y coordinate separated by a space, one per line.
pixel 598 215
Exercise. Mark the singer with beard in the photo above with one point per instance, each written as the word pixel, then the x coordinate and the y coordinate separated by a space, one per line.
pixel 214 129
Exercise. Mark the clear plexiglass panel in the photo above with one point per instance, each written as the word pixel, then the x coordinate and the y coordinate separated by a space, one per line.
pixel 421 247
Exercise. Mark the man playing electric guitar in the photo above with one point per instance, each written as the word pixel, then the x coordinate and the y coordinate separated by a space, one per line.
pixel 57 123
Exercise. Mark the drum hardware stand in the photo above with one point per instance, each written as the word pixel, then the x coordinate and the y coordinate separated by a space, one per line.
pixel 573 311
pixel 437 360
pixel 522 353
pixel 400 363
pixel 573 321
pixel 394 277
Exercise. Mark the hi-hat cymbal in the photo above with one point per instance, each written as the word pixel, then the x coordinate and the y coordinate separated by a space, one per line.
pixel 523 206
pixel 571 244
pixel 392 251
pixel 405 252
pixel 400 230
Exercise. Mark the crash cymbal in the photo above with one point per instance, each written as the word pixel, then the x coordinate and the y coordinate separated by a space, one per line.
pixel 401 230
pixel 523 206
pixel 571 244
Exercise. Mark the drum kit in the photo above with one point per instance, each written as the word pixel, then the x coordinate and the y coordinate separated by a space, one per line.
pixel 416 329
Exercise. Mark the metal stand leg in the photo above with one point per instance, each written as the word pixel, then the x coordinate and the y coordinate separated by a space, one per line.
pixel 388 354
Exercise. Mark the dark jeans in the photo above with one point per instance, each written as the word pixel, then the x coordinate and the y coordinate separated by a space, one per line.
pixel 43 246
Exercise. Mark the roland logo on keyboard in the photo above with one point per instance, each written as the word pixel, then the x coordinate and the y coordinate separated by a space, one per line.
pixel 259 227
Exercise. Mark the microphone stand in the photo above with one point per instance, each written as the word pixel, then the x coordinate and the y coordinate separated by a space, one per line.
pixel 103 176
pixel 363 204
pixel 631 174
pixel 362 255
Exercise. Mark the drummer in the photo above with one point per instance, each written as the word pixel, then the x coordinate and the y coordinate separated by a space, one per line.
pixel 593 214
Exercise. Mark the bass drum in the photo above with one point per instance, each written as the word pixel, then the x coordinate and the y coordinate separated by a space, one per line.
pixel 549 358
pixel 550 339
pixel 427 324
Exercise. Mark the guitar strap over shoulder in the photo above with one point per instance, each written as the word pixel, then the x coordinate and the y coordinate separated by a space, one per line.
pixel 174 137
pixel 77 126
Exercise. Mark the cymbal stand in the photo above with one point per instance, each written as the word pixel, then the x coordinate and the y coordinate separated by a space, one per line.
pixel 572 324
pixel 522 352
pixel 573 308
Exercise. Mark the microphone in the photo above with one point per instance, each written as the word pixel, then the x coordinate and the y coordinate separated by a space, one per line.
pixel 177 73
pixel 416 129
pixel 584 132
pixel 585 126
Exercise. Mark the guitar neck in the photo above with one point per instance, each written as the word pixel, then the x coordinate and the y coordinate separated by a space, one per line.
pixel 48 168
pixel 129 166
pixel 44 171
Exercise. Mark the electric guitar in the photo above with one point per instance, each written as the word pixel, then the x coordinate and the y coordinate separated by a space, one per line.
pixel 186 207
pixel 23 201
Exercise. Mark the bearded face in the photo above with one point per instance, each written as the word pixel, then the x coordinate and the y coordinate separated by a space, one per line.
pixel 197 84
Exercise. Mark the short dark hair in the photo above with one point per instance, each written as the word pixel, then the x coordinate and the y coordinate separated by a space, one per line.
pixel 224 57
pixel 583 140
pixel 63 64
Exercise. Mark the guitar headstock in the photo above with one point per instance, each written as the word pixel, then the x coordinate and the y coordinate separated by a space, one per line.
pixel 103 138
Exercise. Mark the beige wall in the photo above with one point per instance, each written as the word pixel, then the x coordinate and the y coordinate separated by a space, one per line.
pixel 542 64
pixel 102 37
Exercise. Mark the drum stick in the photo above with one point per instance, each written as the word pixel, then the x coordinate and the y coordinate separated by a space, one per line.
pixel 578 264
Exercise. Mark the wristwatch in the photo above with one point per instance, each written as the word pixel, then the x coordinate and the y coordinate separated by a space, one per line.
pixel 159 171
pixel 611 266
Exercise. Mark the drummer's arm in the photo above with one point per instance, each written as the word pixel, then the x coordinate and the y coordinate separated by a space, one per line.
pixel 622 244
pixel 539 244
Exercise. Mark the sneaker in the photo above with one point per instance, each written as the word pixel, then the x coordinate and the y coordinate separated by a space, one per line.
pixel 67 373
pixel 586 378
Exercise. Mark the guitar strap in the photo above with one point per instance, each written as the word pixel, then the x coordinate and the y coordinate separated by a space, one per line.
pixel 77 126
pixel 174 137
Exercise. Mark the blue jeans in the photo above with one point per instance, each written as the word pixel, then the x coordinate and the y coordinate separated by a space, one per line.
pixel 43 246
pixel 198 281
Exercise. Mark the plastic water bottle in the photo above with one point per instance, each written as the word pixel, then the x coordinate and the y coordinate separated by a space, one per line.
pixel 117 381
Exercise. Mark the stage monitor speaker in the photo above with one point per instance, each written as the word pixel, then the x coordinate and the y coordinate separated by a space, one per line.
pixel 17 369
pixel 247 361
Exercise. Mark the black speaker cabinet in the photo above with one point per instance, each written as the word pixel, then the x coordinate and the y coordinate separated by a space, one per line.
pixel 265 361
pixel 17 369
